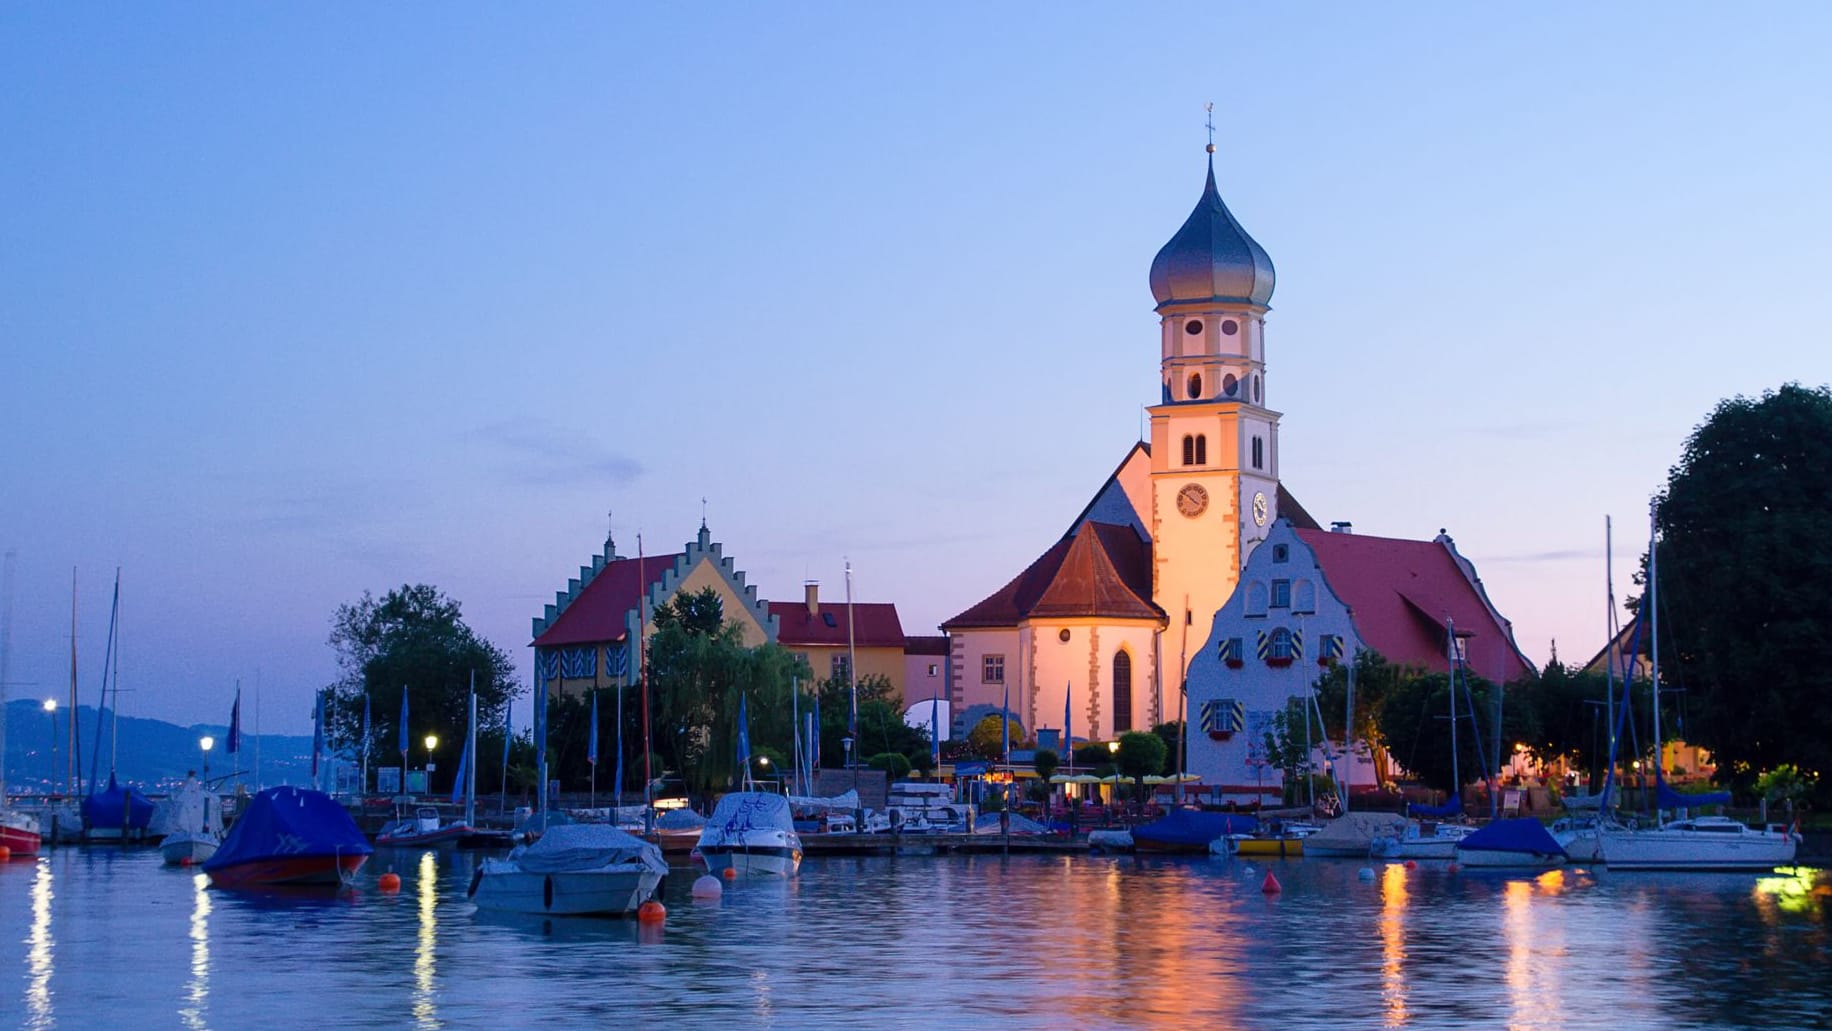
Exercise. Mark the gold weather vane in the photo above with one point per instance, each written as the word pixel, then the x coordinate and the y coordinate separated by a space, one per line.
pixel 1210 108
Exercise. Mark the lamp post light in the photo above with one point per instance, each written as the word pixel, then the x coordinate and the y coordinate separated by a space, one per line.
pixel 1113 749
pixel 204 744
pixel 432 742
pixel 51 711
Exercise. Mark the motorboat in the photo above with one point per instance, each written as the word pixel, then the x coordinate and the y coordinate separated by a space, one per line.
pixel 1522 843
pixel 1352 835
pixel 572 869
pixel 751 832
pixel 424 829
pixel 1699 843
pixel 190 823
pixel 1422 839
pixel 922 808
pixel 18 832
pixel 1581 835
pixel 289 836
pixel 1189 830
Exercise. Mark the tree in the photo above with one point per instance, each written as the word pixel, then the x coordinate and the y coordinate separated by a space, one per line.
pixel 895 765
pixel 1045 763
pixel 881 727
pixel 1745 581
pixel 413 639
pixel 1172 733
pixel 1411 730
pixel 1141 755
pixel 1567 716
pixel 988 736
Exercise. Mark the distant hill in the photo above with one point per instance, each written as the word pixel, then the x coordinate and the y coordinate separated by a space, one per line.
pixel 153 753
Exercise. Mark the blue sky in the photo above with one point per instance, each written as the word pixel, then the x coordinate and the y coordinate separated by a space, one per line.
pixel 297 302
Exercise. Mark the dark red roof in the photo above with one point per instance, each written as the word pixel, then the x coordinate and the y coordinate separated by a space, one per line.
pixel 597 615
pixel 1103 570
pixel 925 644
pixel 878 625
pixel 1401 593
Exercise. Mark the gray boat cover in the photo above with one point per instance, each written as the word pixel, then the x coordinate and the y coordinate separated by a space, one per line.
pixel 569 847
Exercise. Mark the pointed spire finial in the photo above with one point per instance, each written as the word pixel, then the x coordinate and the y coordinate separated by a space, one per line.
pixel 610 546
pixel 702 513
pixel 1210 108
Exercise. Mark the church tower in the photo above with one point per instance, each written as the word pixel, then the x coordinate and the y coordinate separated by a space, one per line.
pixel 1214 443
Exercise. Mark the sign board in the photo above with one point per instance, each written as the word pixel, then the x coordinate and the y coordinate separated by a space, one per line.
pixel 416 782
pixel 388 780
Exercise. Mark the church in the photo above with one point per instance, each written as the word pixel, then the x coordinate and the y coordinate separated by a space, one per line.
pixel 1095 636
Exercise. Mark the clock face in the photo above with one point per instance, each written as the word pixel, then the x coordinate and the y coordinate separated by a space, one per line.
pixel 1259 509
pixel 1192 499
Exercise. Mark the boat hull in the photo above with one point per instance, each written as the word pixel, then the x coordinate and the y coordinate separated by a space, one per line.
pixel 1679 850
pixel 502 886
pixel 1500 859
pixel 746 860
pixel 280 871
pixel 19 836
pixel 1263 848
pixel 186 848
pixel 448 835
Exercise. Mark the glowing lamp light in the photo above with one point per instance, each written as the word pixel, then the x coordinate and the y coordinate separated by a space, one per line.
pixel 51 705
pixel 432 742
pixel 206 742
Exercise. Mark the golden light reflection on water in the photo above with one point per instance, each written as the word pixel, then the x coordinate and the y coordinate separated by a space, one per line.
pixel 39 950
pixel 425 1011
pixel 1534 997
pixel 197 992
pixel 1393 944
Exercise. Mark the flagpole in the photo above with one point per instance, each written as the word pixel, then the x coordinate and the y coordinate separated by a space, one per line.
pixel 591 753
pixel 257 728
pixel 642 676
pixel 502 801
pixel 366 717
pixel 470 752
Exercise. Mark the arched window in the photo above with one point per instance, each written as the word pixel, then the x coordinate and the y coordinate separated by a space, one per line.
pixel 1303 596
pixel 1257 598
pixel 1202 449
pixel 1189 450
pixel 1122 692
pixel 1195 386
pixel 1259 453
pixel 1280 645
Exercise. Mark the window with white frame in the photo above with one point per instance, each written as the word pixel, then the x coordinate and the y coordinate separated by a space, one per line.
pixel 992 669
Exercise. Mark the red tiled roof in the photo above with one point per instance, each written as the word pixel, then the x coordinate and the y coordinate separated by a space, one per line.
pixel 1401 592
pixel 1102 570
pixel 597 615
pixel 926 644
pixel 878 625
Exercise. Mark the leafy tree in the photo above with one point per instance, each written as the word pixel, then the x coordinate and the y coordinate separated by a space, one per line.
pixel 1171 733
pixel 1141 755
pixel 1567 716
pixel 1286 751
pixel 986 736
pixel 895 765
pixel 881 727
pixel 1745 581
pixel 1409 725
pixel 414 639
pixel 1045 762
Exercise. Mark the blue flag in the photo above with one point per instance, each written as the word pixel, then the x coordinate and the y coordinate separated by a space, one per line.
pixel 1068 739
pixel 744 739
pixel 365 727
pixel 617 781
pixel 591 741
pixel 234 744
pixel 403 727
pixel 935 727
pixel 508 736
pixel 464 770
pixel 1005 725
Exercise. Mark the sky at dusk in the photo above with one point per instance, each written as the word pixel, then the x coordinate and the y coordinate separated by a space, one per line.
pixel 298 302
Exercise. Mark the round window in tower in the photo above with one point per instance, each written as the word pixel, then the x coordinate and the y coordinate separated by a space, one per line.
pixel 1063 636
pixel 1230 327
pixel 1193 327
pixel 1195 386
pixel 1229 385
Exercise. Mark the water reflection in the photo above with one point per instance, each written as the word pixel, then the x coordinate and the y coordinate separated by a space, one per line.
pixel 425 1014
pixel 198 989
pixel 38 951
pixel 1393 896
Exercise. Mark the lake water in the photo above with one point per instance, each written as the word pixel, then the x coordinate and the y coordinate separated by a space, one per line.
pixel 107 939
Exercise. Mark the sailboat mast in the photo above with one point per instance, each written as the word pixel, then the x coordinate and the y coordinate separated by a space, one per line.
pixel 642 677
pixel 470 750
pixel 1456 779
pixel 1651 603
pixel 114 721
pixel 1348 737
pixel 1615 647
pixel 6 654
pixel 70 764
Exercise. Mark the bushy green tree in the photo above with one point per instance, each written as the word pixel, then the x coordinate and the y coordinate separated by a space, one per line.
pixel 988 736
pixel 413 639
pixel 881 727
pixel 1409 724
pixel 1745 581
pixel 1141 755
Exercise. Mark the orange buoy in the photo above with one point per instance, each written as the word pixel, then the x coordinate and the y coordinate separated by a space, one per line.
pixel 651 912
pixel 389 882
pixel 186 861
pixel 1455 866
pixel 1410 865
pixel 5 853
pixel 1271 885
pixel 730 873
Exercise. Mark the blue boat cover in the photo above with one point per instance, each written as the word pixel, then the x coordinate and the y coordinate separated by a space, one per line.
pixel 1450 808
pixel 1667 798
pixel 1192 828
pixel 970 769
pixel 1523 835
pixel 118 807
pixel 289 822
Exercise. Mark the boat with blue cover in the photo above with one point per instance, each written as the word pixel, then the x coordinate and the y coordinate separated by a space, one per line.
pixel 1523 843
pixel 1190 830
pixel 289 836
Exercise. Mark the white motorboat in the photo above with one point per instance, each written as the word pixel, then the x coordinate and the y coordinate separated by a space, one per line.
pixel 1421 840
pixel 573 869
pixel 922 808
pixel 751 832
pixel 191 822
pixel 1352 835
pixel 1699 843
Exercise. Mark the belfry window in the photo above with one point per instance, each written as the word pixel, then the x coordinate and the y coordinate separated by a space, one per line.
pixel 1202 449
pixel 1189 450
pixel 1259 453
pixel 1195 386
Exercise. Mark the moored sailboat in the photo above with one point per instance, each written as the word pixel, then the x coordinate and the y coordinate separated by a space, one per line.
pixel 18 831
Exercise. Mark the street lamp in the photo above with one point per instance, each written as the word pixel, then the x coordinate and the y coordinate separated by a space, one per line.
pixel 206 743
pixel 432 742
pixel 51 711
pixel 1113 749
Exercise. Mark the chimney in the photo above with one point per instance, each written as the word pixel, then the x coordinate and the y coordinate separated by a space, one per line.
pixel 1342 526
pixel 811 590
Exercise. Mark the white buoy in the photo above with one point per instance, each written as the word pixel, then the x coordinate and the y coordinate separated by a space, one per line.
pixel 707 887
pixel 1366 874
pixel 1247 870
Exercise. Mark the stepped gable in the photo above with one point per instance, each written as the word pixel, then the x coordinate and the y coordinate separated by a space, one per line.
pixel 1101 570
pixel 596 606
pixel 1400 593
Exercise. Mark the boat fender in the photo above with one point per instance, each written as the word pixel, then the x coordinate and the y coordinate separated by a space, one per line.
pixel 1366 874
pixel 1455 866
pixel 547 891
pixel 708 887
pixel 651 912
pixel 476 879
pixel 1271 885
pixel 389 882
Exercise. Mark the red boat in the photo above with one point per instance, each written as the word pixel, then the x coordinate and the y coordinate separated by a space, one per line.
pixel 19 833
pixel 298 870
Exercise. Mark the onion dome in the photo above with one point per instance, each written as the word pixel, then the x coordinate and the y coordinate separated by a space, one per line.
pixel 1211 259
